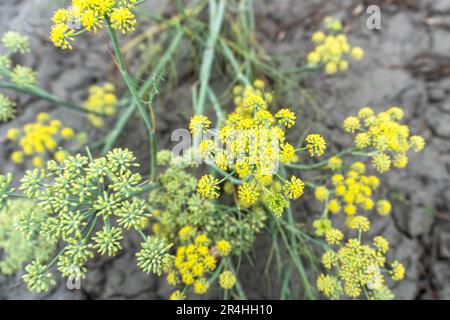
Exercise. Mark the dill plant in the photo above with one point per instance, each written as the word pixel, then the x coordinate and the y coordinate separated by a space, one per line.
pixel 360 268
pixel 20 239
pixel 22 79
pixel 193 231
pixel 47 137
pixel 87 205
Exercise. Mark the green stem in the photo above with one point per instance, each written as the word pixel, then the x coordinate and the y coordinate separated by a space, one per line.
pixel 216 13
pixel 296 259
pixel 148 119
pixel 238 285
pixel 320 164
pixel 224 174
pixel 43 94
pixel 293 241
pixel 152 81
pixel 142 235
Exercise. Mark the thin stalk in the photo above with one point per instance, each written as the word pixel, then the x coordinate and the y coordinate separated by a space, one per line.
pixel 43 94
pixel 297 261
pixel 216 13
pixel 217 108
pixel 293 240
pixel 238 285
pixel 152 81
pixel 148 119
pixel 306 167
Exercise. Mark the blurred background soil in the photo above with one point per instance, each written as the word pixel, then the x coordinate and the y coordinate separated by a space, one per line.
pixel 407 63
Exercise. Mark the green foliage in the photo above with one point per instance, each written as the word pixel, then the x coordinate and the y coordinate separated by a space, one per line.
pixel 177 205
pixel 15 42
pixel 5 189
pixel 38 278
pixel 7 108
pixel 154 256
pixel 20 239
pixel 75 196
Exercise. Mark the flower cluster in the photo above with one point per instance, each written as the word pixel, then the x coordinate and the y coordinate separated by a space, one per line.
pixel 256 93
pixel 5 189
pixel 20 239
pixel 194 261
pixel 357 267
pixel 383 135
pixel 154 256
pixel 40 139
pixel 14 42
pixel 352 191
pixel 197 228
pixel 102 99
pixel 79 194
pixel 91 16
pixel 227 280
pixel 191 265
pixel 332 48
pixel 18 75
pixel 7 108
pixel 180 214
pixel 251 144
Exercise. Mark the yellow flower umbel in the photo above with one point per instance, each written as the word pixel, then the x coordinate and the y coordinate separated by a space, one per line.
pixel 192 264
pixel 223 247
pixel 355 267
pixel 332 49
pixel 250 146
pixel 335 163
pixel 316 144
pixel 102 99
pixel 248 97
pixel 227 280
pixel 294 189
pixel 352 192
pixel 40 140
pixel 177 295
pixel 123 19
pixel 91 16
pixel 384 137
pixel 208 187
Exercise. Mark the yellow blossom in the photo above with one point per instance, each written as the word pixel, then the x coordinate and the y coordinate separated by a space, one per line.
pixel 334 206
pixel 316 144
pixel 208 187
pixel 357 53
pixel 199 124
pixel 248 194
pixel 62 36
pixel 328 285
pixel 321 193
pixel 294 188
pixel 123 19
pixel 177 295
pixel 351 124
pixel 201 286
pixel 335 163
pixel 359 223
pixel 223 247
pixel 227 280
pixel 333 236
pixel 397 271
pixel 17 156
pixel 381 244
pixel 384 207
pixel 381 162
pixel 417 143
